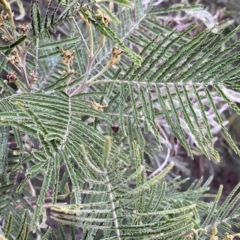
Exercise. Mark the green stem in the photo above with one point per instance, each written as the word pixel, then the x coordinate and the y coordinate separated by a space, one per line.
pixel 98 75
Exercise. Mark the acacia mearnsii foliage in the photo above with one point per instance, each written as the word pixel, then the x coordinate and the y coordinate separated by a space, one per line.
pixel 99 88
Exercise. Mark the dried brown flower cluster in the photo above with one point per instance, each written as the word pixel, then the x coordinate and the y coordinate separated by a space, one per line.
pixel 14 58
pixel 98 106
pixel 67 59
pixel 24 28
pixel 6 34
pixel 116 56
pixel 102 17
pixel 226 237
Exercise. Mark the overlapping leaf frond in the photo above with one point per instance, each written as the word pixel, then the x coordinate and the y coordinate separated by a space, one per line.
pixel 176 74
pixel 56 122
pixel 19 229
pixel 179 81
pixel 154 209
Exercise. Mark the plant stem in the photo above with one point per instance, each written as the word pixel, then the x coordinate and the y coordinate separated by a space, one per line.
pixel 113 207
pixel 80 33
